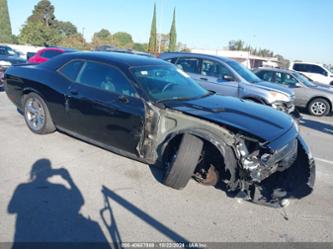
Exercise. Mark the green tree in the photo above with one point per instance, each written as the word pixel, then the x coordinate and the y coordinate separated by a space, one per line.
pixel 66 28
pixel 74 41
pixel 102 37
pixel 38 34
pixel 5 26
pixel 44 12
pixel 123 40
pixel 173 34
pixel 140 47
pixel 152 45
pixel 41 27
pixel 237 45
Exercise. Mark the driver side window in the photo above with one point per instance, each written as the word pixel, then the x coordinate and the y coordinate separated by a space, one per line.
pixel 285 79
pixel 106 78
pixel 216 70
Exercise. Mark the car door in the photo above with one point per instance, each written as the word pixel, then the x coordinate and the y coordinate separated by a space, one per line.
pixel 103 106
pixel 319 74
pixel 218 78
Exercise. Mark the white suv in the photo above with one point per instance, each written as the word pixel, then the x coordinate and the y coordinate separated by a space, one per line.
pixel 316 72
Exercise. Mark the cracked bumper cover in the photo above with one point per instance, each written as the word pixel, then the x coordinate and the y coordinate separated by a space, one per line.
pixel 287 173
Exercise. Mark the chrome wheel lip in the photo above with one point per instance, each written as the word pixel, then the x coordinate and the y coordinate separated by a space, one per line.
pixel 318 108
pixel 35 114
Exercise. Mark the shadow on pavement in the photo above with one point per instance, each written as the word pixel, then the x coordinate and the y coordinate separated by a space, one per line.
pixel 109 194
pixel 318 126
pixel 47 214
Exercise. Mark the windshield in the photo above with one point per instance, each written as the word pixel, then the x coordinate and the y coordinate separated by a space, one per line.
pixel 303 79
pixel 163 83
pixel 244 72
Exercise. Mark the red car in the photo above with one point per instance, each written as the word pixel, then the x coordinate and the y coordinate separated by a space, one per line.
pixel 45 54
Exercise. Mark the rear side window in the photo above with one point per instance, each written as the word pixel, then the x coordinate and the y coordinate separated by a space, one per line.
pixel 189 65
pixel 106 78
pixel 50 54
pixel 71 69
pixel 302 67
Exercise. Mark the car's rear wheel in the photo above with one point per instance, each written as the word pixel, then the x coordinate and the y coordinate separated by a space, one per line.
pixel 37 115
pixel 182 162
pixel 319 107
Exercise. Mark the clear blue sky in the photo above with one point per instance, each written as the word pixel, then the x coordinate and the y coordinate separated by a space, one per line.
pixel 297 29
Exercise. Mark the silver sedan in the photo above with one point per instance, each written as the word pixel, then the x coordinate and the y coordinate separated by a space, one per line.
pixel 316 98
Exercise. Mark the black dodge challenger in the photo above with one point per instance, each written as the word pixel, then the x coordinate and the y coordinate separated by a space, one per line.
pixel 151 111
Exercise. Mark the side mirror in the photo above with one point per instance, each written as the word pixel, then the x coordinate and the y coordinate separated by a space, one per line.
pixel 298 85
pixel 228 78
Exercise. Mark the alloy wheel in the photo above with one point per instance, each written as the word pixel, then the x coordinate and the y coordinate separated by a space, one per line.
pixel 35 114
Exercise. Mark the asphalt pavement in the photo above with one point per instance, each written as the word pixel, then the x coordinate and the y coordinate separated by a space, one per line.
pixel 120 199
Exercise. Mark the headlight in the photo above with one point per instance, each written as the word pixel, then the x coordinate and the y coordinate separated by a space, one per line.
pixel 280 96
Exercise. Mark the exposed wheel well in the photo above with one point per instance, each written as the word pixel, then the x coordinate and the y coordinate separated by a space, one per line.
pixel 318 97
pixel 210 155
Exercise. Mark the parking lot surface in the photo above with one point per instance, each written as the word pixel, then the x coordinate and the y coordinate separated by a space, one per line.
pixel 125 200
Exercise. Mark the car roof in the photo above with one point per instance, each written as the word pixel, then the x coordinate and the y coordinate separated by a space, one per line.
pixel 308 63
pixel 169 55
pixel 118 59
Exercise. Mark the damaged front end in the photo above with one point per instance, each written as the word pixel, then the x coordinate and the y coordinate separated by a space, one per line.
pixel 273 172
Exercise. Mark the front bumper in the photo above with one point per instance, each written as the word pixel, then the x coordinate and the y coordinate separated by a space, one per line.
pixel 287 107
pixel 295 181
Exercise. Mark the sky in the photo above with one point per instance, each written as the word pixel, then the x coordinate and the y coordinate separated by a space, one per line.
pixel 296 29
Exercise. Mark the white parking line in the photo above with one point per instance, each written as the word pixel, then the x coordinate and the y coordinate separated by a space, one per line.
pixel 323 160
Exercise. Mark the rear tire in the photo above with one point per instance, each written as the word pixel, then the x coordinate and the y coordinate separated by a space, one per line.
pixel 183 162
pixel 319 107
pixel 37 115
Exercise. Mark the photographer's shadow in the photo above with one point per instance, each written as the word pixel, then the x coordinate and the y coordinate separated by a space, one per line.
pixel 48 212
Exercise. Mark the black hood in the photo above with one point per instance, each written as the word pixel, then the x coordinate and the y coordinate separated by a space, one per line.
pixel 261 121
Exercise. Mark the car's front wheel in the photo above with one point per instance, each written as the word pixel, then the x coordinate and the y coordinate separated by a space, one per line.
pixel 182 162
pixel 319 107
pixel 37 115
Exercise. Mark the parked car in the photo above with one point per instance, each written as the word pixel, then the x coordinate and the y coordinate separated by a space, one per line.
pixel 316 72
pixel 318 99
pixel 11 56
pixel 227 77
pixel 149 110
pixel 46 54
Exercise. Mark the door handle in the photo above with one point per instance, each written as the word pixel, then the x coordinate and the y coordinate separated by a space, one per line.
pixel 205 79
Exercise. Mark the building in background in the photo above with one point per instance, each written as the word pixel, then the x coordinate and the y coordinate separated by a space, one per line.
pixel 244 57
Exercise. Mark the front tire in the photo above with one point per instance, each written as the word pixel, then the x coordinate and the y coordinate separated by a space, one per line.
pixel 37 115
pixel 182 163
pixel 319 107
